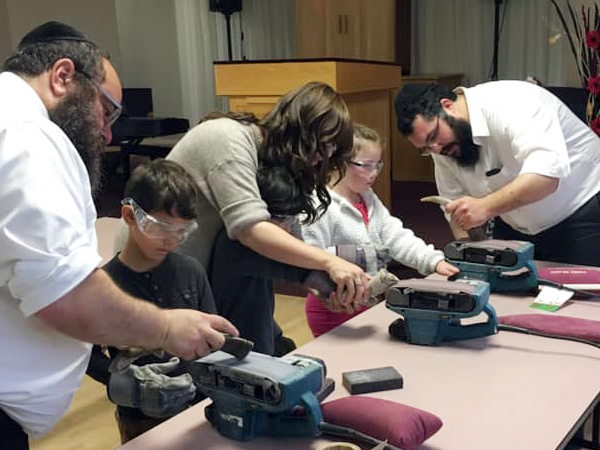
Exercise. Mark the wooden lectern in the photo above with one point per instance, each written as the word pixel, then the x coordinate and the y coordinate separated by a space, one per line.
pixel 367 87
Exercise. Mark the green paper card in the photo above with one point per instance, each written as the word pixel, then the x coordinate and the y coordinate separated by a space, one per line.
pixel 551 298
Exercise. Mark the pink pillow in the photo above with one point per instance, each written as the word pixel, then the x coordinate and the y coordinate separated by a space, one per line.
pixel 555 325
pixel 582 278
pixel 402 425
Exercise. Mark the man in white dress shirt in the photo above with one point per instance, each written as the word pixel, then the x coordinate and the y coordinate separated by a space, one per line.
pixel 59 99
pixel 511 149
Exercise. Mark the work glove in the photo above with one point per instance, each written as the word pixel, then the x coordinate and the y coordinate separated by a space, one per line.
pixel 320 285
pixel 379 254
pixel 151 390
pixel 369 257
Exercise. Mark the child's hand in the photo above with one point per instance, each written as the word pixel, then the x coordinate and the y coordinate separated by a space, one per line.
pixel 446 269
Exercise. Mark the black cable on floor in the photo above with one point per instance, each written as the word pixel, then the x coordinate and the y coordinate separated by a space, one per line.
pixel 581 295
pixel 552 336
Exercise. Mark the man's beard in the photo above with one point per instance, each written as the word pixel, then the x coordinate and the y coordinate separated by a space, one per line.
pixel 469 151
pixel 75 116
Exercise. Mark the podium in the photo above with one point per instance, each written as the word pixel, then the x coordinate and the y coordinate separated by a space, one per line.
pixel 367 87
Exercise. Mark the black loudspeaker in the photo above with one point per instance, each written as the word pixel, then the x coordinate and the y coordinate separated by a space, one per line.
pixel 226 7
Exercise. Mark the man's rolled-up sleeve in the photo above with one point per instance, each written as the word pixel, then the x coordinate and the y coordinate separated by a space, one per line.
pixel 47 235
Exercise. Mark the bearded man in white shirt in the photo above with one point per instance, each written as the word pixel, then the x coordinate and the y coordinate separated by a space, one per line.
pixel 514 151
pixel 59 99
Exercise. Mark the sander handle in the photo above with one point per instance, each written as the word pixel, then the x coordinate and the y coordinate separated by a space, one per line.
pixel 237 346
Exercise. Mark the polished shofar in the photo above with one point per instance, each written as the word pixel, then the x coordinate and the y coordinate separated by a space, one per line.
pixel 475 233
pixel 436 199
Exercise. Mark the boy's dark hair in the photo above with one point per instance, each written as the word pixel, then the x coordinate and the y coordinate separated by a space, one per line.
pixel 46 44
pixel 280 191
pixel 422 99
pixel 299 130
pixel 163 185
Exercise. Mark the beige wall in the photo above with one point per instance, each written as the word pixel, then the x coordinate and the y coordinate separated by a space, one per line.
pixel 138 35
pixel 5 40
pixel 97 19
pixel 148 44
pixel 6 44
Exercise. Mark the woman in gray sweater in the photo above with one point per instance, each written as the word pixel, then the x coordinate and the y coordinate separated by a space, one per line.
pixel 307 134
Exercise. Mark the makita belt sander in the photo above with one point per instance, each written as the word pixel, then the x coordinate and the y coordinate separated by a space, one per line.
pixel 506 265
pixel 260 394
pixel 432 310
pixel 264 395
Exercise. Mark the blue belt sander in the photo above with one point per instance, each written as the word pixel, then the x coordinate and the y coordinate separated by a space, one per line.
pixel 506 265
pixel 261 394
pixel 432 310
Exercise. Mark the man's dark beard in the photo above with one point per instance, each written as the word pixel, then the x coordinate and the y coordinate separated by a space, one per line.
pixel 469 151
pixel 75 116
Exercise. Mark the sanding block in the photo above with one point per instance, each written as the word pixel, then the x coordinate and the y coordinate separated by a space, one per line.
pixel 372 380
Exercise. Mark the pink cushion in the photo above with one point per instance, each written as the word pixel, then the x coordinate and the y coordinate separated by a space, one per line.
pixel 555 325
pixel 402 425
pixel 584 278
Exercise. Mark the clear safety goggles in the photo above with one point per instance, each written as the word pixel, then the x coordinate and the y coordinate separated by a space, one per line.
pixel 157 229
pixel 368 167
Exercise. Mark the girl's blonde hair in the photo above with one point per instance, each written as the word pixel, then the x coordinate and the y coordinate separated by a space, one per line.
pixel 364 135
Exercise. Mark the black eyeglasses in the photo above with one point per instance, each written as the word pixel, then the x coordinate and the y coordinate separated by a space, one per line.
pixel 431 141
pixel 110 116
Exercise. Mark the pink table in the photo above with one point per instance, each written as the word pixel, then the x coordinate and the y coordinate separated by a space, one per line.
pixel 507 391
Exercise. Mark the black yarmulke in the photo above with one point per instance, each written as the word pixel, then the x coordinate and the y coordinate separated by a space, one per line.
pixel 53 31
pixel 409 94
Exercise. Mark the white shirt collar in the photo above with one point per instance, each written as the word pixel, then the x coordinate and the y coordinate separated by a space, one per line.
pixel 479 126
pixel 29 100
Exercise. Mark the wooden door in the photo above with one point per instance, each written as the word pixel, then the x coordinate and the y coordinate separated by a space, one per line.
pixel 377 30
pixel 344 23
pixel 354 29
pixel 310 23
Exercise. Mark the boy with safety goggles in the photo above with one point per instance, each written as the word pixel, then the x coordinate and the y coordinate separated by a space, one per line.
pixel 159 210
